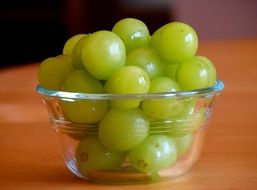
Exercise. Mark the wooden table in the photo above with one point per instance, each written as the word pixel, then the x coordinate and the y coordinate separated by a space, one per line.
pixel 30 158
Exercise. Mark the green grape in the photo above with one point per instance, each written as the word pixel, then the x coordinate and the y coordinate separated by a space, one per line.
pixel 127 80
pixel 170 70
pixel 65 58
pixel 155 153
pixel 189 107
pixel 175 42
pixel 71 42
pixel 103 54
pixel 133 32
pixel 212 69
pixel 76 54
pixel 123 129
pixel 162 108
pixel 91 154
pixel 83 111
pixel 53 71
pixel 196 73
pixel 183 144
pixel 163 126
pixel 188 124
pixel 147 59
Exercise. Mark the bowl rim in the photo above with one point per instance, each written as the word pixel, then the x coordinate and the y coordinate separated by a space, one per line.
pixel 204 92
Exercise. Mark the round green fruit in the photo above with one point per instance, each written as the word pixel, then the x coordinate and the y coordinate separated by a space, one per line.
pixel 175 42
pixel 155 153
pixel 123 129
pixel 83 111
pixel 133 32
pixel 196 73
pixel 92 155
pixel 103 54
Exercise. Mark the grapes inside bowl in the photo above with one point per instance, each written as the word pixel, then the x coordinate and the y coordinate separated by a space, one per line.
pixel 129 107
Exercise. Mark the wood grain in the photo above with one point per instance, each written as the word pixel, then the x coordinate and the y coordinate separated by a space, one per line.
pixel 30 158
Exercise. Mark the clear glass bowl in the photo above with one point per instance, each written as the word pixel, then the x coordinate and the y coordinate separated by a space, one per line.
pixel 192 121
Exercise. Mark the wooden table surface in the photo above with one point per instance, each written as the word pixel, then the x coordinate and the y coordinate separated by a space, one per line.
pixel 31 159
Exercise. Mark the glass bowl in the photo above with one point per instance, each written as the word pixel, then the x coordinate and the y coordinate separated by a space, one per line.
pixel 120 139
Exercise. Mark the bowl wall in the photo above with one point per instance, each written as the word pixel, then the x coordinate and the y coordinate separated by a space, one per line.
pixel 99 134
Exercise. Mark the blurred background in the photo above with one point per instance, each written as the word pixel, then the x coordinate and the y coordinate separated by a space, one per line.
pixel 34 30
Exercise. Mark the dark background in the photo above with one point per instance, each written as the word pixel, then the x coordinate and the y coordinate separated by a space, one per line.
pixel 33 30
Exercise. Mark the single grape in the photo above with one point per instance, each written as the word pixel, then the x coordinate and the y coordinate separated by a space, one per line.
pixel 92 155
pixel 212 69
pixel 175 42
pixel 133 32
pixel 76 54
pixel 53 71
pixel 183 144
pixel 167 125
pixel 71 42
pixel 103 53
pixel 147 59
pixel 155 153
pixel 196 73
pixel 127 80
pixel 83 111
pixel 188 124
pixel 189 107
pixel 65 58
pixel 163 108
pixel 123 129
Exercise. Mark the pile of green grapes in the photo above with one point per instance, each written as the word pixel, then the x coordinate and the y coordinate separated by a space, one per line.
pixel 128 60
